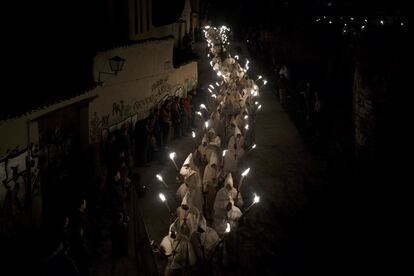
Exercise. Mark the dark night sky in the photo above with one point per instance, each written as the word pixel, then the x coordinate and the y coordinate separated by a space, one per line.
pixel 50 44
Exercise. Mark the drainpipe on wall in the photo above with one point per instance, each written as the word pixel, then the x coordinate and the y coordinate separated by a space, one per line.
pixel 29 176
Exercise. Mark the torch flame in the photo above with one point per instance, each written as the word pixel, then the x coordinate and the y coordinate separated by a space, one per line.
pixel 246 172
pixel 162 197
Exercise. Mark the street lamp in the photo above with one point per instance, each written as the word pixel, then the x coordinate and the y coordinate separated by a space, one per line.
pixel 116 64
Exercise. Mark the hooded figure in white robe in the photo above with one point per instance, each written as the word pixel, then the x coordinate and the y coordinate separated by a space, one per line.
pixel 230 161
pixel 215 120
pixel 205 242
pixel 201 152
pixel 236 142
pixel 181 192
pixel 241 122
pixel 213 148
pixel 195 193
pixel 220 212
pixel 233 214
pixel 192 181
pixel 210 180
pixel 183 255
pixel 209 241
pixel 167 248
pixel 189 215
pixel 237 139
pixel 231 125
pixel 232 192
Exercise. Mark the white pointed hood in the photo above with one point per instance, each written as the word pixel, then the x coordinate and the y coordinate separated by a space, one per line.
pixel 237 131
pixel 228 180
pixel 187 162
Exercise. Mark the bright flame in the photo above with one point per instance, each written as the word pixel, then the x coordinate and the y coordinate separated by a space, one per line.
pixel 247 127
pixel 172 155
pixel 224 152
pixel 209 89
pixel 217 84
pixel 199 113
pixel 264 82
pixel 246 117
pixel 162 197
pixel 259 107
pixel 256 199
pixel 254 146
pixel 214 95
pixel 259 77
pixel 246 172
pixel 382 22
pixel 203 106
pixel 236 57
pixel 219 73
pixel 206 124
pixel 159 177
pixel 193 134
pixel 255 94
pixel 256 102
pixel 228 228
pixel 212 86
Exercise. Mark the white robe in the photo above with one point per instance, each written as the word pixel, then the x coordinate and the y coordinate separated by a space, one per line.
pixel 191 216
pixel 183 253
pixel 233 216
pixel 209 240
pixel 181 192
pixel 167 245
pixel 231 161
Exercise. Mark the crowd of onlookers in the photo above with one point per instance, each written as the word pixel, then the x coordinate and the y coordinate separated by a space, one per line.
pixel 75 238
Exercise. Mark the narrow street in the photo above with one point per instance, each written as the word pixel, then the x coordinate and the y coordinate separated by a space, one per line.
pixel 273 236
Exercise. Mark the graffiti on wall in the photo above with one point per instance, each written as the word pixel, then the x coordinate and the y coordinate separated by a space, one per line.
pixel 121 110
pixel 19 179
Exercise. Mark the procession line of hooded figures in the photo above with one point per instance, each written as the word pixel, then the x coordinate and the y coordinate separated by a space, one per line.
pixel 211 202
